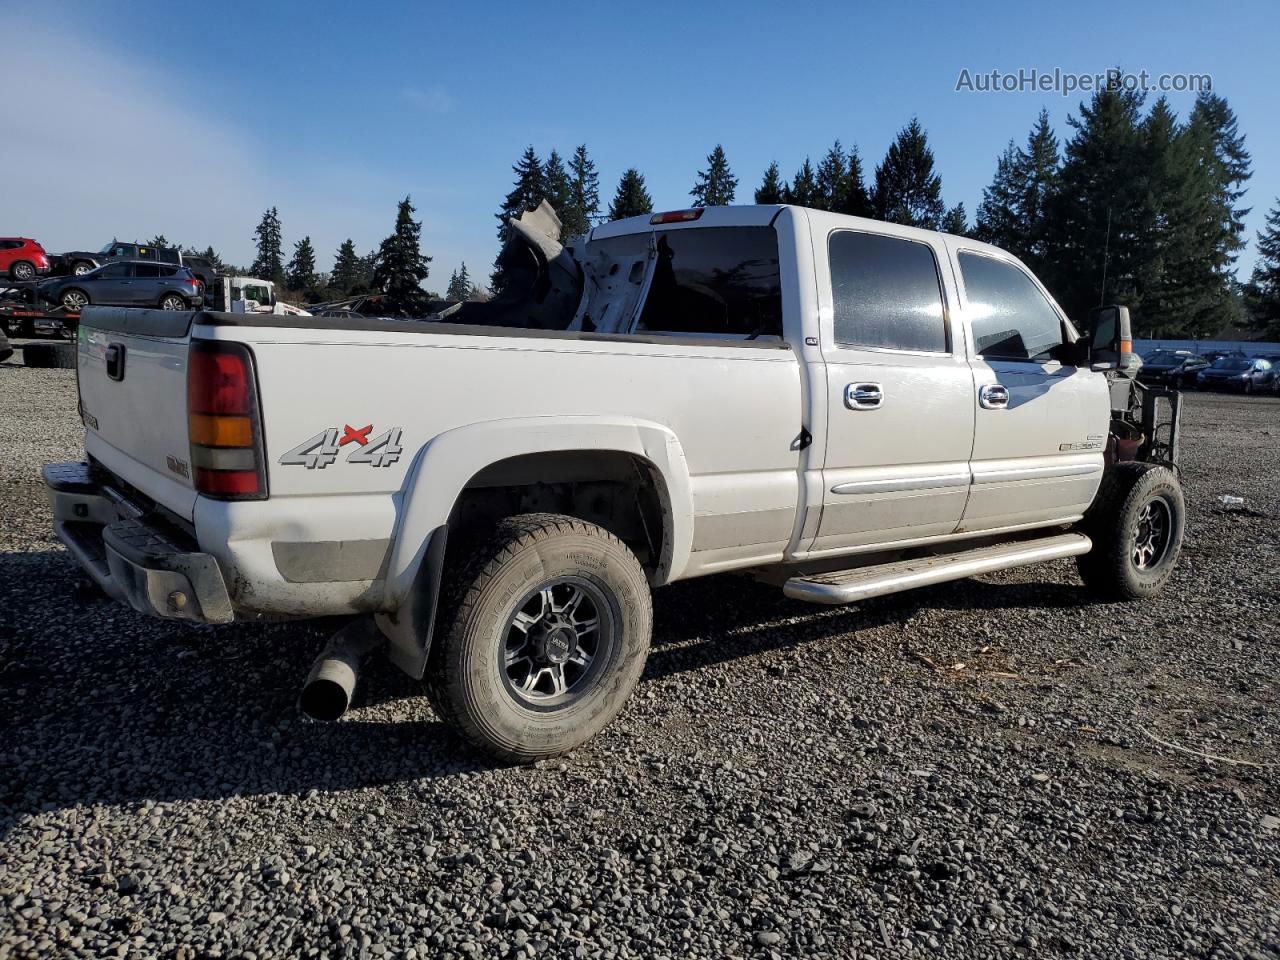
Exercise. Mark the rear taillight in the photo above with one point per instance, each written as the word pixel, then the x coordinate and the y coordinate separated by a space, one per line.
pixel 224 422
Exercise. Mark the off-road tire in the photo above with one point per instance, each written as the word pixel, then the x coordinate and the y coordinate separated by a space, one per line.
pixel 1113 523
pixel 61 356
pixel 22 271
pixel 485 581
pixel 80 267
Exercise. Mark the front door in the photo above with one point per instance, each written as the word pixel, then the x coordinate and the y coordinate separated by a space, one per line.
pixel 1040 425
pixel 113 285
pixel 899 388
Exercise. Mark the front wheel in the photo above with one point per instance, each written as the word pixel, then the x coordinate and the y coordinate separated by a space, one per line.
pixel 1136 524
pixel 80 268
pixel 544 632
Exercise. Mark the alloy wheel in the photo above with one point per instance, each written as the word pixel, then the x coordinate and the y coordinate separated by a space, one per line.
pixel 557 641
pixel 1155 533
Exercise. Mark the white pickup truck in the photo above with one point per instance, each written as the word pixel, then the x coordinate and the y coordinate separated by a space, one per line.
pixel 841 406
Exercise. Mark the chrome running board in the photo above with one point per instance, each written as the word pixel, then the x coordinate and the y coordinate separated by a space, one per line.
pixel 847 586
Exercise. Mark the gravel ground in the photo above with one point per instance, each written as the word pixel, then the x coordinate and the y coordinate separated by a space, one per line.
pixel 996 767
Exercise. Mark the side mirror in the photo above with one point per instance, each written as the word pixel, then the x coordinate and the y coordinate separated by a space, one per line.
pixel 1110 337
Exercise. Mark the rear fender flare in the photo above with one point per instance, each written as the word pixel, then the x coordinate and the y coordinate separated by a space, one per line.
pixel 443 468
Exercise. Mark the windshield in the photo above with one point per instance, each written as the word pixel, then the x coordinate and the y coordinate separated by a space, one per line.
pixel 1232 363
pixel 1164 356
pixel 108 247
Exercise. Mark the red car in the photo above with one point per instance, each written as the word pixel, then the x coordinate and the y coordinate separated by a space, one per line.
pixel 22 259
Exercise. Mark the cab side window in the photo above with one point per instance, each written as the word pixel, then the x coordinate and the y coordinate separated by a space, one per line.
pixel 886 293
pixel 1010 317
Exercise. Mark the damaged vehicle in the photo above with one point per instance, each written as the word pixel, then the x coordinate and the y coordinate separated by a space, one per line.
pixel 841 407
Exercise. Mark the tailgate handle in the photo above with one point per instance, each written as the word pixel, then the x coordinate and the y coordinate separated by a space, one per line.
pixel 115 361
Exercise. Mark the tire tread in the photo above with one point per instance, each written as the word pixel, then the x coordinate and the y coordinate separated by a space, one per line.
pixel 483 557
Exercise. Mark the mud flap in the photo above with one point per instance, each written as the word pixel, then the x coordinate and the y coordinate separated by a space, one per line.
pixel 409 629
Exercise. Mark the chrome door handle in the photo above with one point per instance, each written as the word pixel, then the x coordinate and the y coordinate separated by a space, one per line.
pixel 863 396
pixel 993 396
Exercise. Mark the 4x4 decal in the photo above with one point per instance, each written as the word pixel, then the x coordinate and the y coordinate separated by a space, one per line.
pixel 316 453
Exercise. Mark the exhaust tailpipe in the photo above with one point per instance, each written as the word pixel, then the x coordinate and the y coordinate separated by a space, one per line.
pixel 329 687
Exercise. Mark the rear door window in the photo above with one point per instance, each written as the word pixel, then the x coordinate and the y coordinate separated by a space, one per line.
pixel 116 271
pixel 1011 319
pixel 886 293
pixel 715 281
pixel 147 271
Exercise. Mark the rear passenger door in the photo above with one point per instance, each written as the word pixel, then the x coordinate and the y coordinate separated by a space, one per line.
pixel 148 284
pixel 898 389
pixel 1040 425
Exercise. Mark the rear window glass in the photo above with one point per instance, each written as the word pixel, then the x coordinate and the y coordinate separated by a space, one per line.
pixel 716 281
pixel 886 293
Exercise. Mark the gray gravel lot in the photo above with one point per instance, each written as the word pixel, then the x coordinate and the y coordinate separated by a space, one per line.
pixel 971 770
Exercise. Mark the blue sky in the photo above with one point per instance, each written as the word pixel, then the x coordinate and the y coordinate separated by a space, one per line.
pixel 189 120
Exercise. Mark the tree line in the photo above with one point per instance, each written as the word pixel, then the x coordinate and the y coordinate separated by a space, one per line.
pixel 1136 207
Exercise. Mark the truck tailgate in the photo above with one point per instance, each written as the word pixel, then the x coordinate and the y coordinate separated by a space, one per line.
pixel 132 373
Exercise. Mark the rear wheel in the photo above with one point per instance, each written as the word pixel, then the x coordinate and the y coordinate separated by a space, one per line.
pixel 543 634
pixel 22 271
pixel 1136 524
pixel 74 300
pixel 173 301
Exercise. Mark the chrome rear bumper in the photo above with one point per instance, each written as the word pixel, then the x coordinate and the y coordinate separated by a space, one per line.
pixel 134 557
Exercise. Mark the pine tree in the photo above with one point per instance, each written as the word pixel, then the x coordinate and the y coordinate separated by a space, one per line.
pixel 1014 209
pixel 803 189
pixel 460 285
pixel 368 267
pixel 832 172
pixel 301 272
pixel 771 189
pixel 346 267
pixel 559 191
pixel 269 264
pixel 956 221
pixel 853 198
pixel 1219 146
pixel 1096 216
pixel 584 195
pixel 997 220
pixel 907 190
pixel 1175 274
pixel 716 185
pixel 529 190
pixel 1264 287
pixel 631 199
pixel 1040 166
pixel 401 264
pixel 159 240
